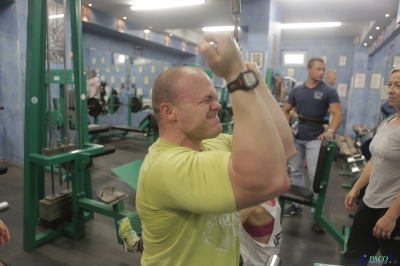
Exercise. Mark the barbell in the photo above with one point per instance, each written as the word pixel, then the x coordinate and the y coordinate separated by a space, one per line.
pixel 95 107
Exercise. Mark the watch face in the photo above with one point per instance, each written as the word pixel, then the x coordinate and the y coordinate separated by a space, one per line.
pixel 249 79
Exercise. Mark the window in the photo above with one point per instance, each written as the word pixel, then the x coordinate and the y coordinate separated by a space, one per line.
pixel 119 59
pixel 293 58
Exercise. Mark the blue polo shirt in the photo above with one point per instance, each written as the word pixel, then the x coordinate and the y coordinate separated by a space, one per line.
pixel 312 103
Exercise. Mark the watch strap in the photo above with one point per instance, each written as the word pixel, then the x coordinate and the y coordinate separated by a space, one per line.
pixel 238 84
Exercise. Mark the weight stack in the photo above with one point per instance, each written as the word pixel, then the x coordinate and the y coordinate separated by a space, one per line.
pixel 56 210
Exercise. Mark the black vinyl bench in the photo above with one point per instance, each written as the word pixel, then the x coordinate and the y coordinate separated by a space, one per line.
pixel 148 126
pixel 95 129
pixel 128 128
pixel 3 169
pixel 321 180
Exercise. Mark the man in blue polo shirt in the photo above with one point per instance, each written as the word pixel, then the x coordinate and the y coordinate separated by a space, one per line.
pixel 311 100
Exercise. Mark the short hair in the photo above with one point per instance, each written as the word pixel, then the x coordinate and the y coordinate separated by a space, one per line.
pixel 165 87
pixel 93 71
pixel 311 61
pixel 395 70
pixel 333 71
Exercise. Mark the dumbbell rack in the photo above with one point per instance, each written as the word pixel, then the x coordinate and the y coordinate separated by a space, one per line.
pixel 39 153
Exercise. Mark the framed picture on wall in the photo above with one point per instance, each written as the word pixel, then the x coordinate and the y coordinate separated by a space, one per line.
pixel 342 90
pixel 290 72
pixel 342 60
pixel 375 81
pixel 359 80
pixel 257 57
pixel 146 80
pixel 384 92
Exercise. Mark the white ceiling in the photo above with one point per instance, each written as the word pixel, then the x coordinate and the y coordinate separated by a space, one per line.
pixel 355 15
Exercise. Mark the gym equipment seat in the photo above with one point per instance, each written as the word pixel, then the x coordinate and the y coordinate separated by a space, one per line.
pixel 305 196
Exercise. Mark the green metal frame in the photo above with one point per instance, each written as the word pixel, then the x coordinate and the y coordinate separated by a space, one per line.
pixel 227 126
pixel 318 204
pixel 35 137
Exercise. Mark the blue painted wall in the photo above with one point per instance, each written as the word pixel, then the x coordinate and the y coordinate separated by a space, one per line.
pixel 261 17
pixel 12 75
pixel 101 48
pixel 332 49
pixel 361 105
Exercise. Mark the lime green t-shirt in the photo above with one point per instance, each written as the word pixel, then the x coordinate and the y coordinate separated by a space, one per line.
pixel 187 207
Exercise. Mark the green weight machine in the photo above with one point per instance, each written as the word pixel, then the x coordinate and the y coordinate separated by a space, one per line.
pixel 48 215
pixel 306 196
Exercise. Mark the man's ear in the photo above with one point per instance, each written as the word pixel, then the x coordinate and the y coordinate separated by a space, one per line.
pixel 167 111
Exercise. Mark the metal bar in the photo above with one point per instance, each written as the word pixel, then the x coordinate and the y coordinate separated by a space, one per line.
pixel 52 180
pixel 130 111
pixel 236 6
pixel 60 175
pixel 35 122
pixel 79 80
pixel 48 77
pixel 66 100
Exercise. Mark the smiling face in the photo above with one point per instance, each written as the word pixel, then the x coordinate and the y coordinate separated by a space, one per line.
pixel 196 108
pixel 394 89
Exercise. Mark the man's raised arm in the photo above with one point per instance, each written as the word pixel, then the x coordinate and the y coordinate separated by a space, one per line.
pixel 257 166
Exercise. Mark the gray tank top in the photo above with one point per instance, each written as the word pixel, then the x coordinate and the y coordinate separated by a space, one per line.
pixel 384 182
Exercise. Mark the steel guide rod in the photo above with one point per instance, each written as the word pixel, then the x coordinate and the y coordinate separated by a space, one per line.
pixel 236 7
pixel 51 144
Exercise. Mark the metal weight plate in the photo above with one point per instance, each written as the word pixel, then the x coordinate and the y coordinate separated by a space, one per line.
pixel 94 107
pixel 116 104
pixel 136 105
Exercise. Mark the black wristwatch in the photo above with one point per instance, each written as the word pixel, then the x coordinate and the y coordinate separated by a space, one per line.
pixel 246 81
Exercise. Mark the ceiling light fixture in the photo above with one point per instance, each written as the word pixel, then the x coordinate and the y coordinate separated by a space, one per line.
pixel 146 31
pixel 219 28
pixel 124 17
pixel 365 44
pixel 310 25
pixel 377 28
pixel 370 37
pixel 158 4
pixel 387 15
pixel 90 4
pixel 170 34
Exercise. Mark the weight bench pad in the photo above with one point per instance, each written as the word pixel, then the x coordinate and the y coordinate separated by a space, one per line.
pixel 298 194
pixel 107 150
pixel 3 169
pixel 126 128
pixel 97 129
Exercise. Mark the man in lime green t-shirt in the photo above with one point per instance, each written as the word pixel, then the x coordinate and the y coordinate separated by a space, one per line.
pixel 194 180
